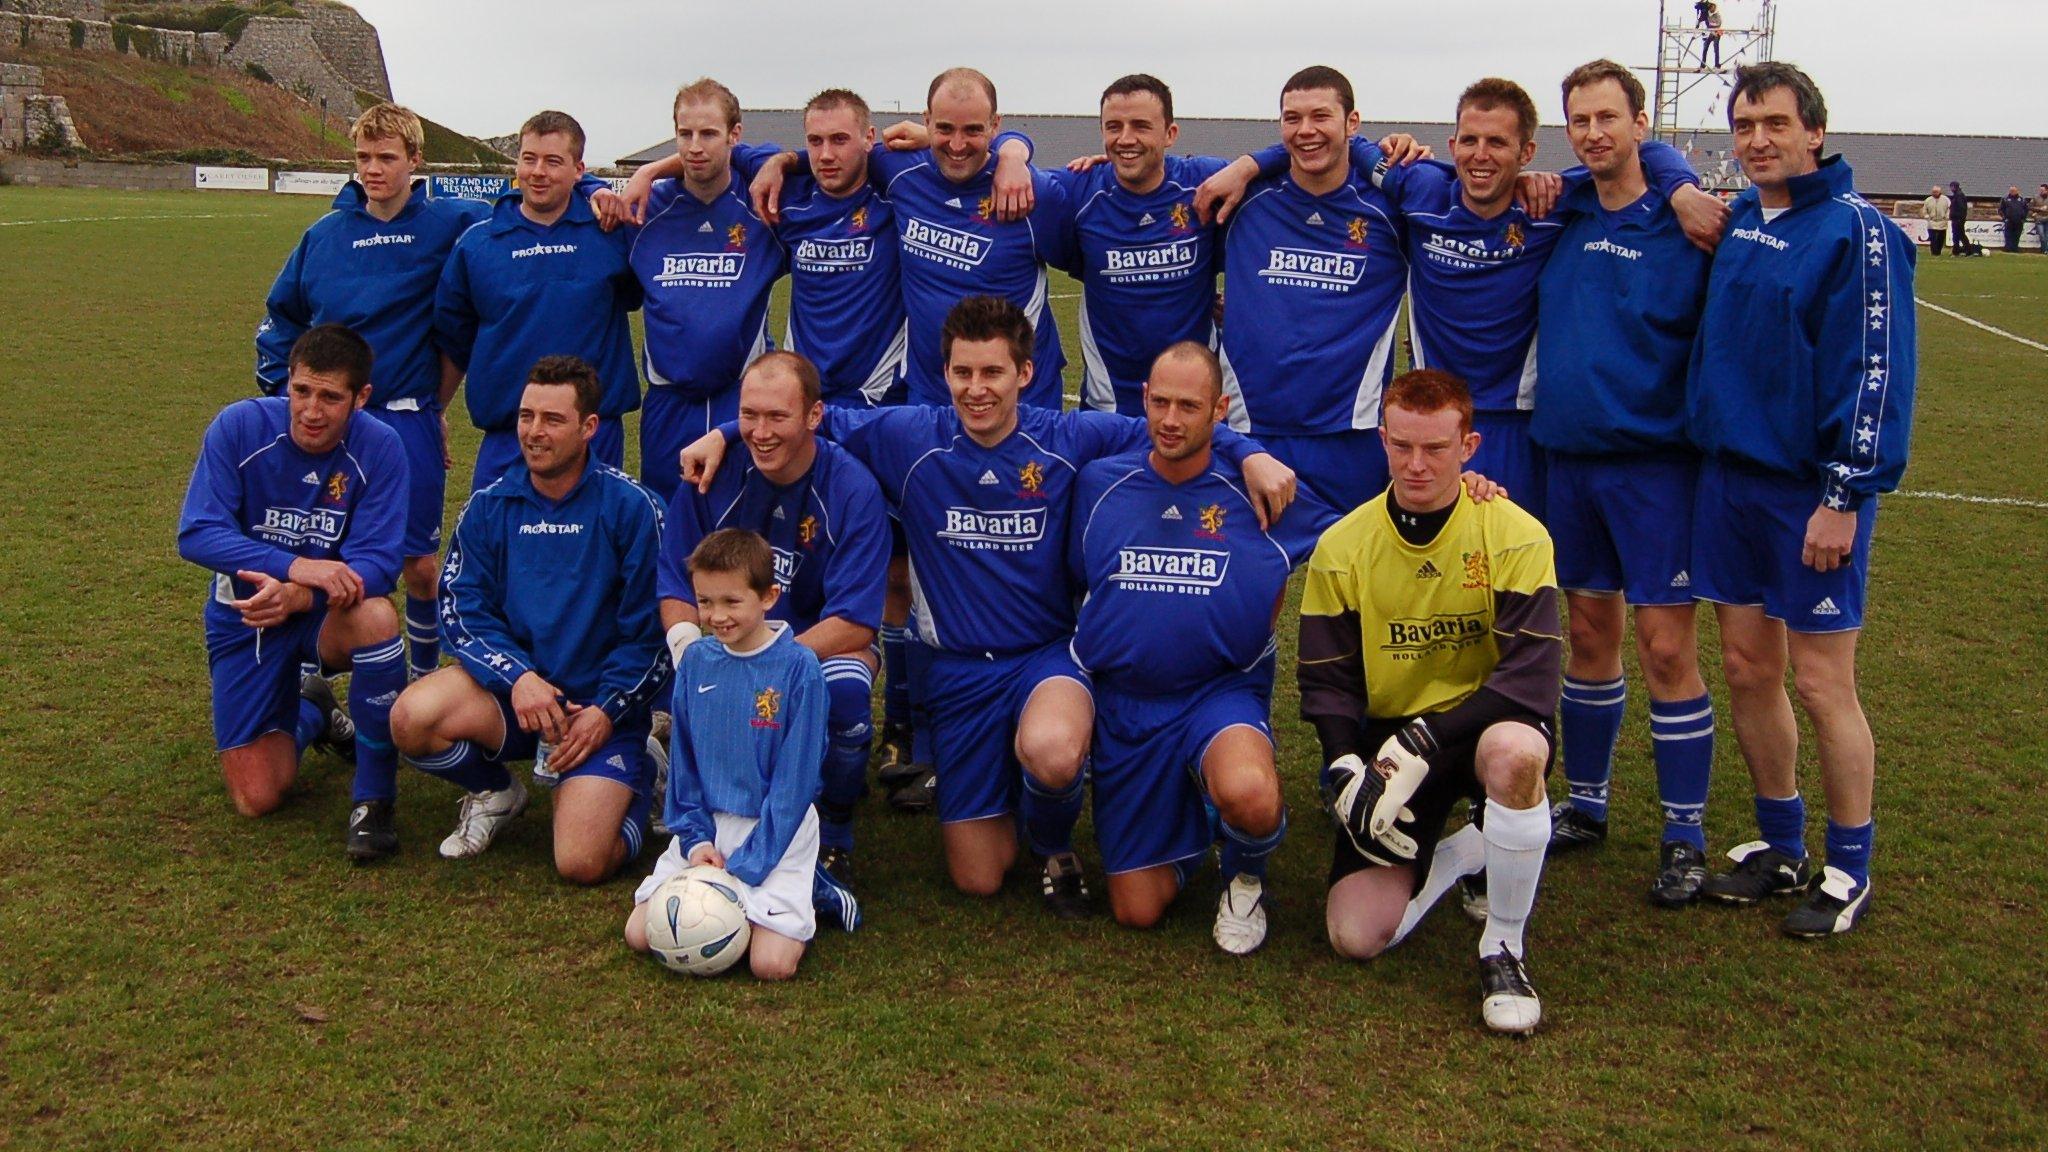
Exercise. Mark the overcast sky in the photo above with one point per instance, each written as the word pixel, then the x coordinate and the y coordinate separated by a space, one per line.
pixel 1960 66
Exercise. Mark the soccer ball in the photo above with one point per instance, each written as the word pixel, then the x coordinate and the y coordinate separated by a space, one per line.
pixel 696 921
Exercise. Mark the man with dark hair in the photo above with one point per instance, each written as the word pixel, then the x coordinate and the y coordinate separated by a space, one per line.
pixel 984 488
pixel 823 514
pixel 1800 396
pixel 1430 642
pixel 1619 301
pixel 540 277
pixel 298 509
pixel 1958 220
pixel 373 264
pixel 547 602
pixel 1176 633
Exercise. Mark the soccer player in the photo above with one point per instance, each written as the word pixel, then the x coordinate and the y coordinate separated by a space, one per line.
pixel 373 264
pixel 1315 272
pixel 824 517
pixel 706 265
pixel 539 277
pixel 743 758
pixel 1619 302
pixel 1176 635
pixel 1800 396
pixel 1430 643
pixel 984 488
pixel 298 508
pixel 547 602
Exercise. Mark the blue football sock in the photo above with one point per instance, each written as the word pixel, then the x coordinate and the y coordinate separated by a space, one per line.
pixel 466 766
pixel 633 828
pixel 312 722
pixel 895 676
pixel 374 686
pixel 1782 824
pixel 1589 722
pixel 1245 854
pixel 1049 817
pixel 1682 742
pixel 1849 849
pixel 849 690
pixel 422 636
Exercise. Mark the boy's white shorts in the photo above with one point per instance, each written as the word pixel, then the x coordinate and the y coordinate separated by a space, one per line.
pixel 781 903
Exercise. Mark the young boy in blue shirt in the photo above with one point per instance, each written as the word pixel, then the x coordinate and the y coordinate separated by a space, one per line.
pixel 745 757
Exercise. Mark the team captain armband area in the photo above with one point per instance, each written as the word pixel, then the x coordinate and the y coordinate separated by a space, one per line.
pixel 178 975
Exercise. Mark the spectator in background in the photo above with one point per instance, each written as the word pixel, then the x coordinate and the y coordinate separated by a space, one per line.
pixel 2037 211
pixel 1935 211
pixel 1958 219
pixel 2012 212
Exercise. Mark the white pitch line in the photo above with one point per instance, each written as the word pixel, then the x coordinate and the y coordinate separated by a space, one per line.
pixel 1954 315
pixel 102 219
pixel 1964 498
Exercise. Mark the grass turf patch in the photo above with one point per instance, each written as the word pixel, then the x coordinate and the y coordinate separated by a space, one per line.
pixel 170 972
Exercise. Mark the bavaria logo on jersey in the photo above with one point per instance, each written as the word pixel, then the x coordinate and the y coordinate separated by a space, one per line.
pixel 1310 268
pixel 1180 571
pixel 1173 260
pixel 786 564
pixel 290 527
pixel 701 269
pixel 1411 639
pixel 948 246
pixel 850 254
pixel 1016 531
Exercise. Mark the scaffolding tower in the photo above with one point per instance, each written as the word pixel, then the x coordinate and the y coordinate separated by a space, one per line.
pixel 1686 80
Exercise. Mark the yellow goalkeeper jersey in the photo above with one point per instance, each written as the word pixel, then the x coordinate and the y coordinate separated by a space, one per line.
pixel 1427 625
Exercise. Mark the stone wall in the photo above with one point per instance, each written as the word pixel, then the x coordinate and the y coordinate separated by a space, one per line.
pixel 350 45
pixel 17 83
pixel 67 34
pixel 287 51
pixel 68 9
pixel 46 122
pixel 33 172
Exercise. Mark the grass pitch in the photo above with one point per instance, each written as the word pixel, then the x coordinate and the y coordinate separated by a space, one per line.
pixel 173 974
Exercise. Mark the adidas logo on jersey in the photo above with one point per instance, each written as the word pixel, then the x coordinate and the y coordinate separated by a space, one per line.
pixel 1172 513
pixel 1145 219
pixel 779 515
pixel 1428 571
pixel 1682 580
pixel 1316 218
pixel 1826 607
pixel 954 203
pixel 988 478
pixel 616 761
pixel 312 478
pixel 706 227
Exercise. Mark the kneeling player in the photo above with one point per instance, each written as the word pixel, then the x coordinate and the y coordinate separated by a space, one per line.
pixel 744 759
pixel 547 602
pixel 1430 633
pixel 299 509
pixel 1177 634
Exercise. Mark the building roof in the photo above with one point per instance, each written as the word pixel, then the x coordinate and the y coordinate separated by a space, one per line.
pixel 1887 163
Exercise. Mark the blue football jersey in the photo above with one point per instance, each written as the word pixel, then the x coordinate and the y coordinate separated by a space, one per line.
pixel 257 501
pixel 954 247
pixel 376 276
pixel 706 270
pixel 1182 585
pixel 1471 285
pixel 1312 288
pixel 845 289
pixel 514 291
pixel 1147 267
pixel 829 530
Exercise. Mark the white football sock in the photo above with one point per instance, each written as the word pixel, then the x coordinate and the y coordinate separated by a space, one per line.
pixel 1457 856
pixel 1515 843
